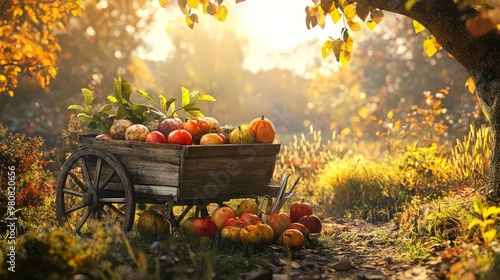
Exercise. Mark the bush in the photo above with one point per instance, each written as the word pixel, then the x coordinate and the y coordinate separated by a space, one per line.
pixel 34 183
pixel 359 185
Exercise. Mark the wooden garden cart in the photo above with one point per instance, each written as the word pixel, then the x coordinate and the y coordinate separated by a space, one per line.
pixel 105 179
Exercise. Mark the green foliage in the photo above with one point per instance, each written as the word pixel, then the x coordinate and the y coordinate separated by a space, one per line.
pixel 55 254
pixel 424 223
pixel 425 171
pixel 99 119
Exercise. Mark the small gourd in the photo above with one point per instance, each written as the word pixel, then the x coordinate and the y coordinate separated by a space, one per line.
pixel 263 129
pixel 241 136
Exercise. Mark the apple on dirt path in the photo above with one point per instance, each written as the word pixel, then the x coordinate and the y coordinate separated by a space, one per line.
pixel 251 219
pixel 219 215
pixel 234 221
pixel 203 227
pixel 279 222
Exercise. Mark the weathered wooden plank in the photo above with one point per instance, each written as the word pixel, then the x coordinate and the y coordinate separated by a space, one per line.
pixel 231 150
pixel 214 192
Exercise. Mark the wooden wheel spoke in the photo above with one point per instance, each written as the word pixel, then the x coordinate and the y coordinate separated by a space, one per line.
pixel 113 200
pixel 85 171
pixel 116 210
pixel 107 216
pixel 78 181
pixel 75 193
pixel 106 181
pixel 97 173
pixel 74 208
pixel 82 221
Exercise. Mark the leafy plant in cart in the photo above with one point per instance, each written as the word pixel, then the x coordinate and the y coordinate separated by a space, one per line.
pixel 120 106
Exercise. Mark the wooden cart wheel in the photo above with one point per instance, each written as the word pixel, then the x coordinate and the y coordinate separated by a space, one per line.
pixel 87 190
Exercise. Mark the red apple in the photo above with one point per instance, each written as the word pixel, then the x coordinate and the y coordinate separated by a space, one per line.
pixel 180 137
pixel 156 137
pixel 299 209
pixel 224 138
pixel 279 222
pixel 168 125
pixel 203 227
pixel 312 222
pixel 237 222
pixel 250 219
pixel 220 214
pixel 104 136
pixel 302 228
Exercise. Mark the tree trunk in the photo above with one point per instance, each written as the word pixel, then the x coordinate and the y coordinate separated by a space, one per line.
pixel 480 56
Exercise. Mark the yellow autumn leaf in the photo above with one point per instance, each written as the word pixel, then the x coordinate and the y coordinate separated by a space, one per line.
pixel 3 79
pixel 371 24
pixel 390 115
pixel 429 47
pixel 489 236
pixel 189 22
pixel 347 45
pixel 470 85
pixel 354 26
pixel 418 26
pixel 335 15
pixel 345 56
pixel 326 49
pixel 350 12
pixel 221 13
pixel 18 11
pixel 164 3
pixel 321 20
pixel 192 4
pixel 11 93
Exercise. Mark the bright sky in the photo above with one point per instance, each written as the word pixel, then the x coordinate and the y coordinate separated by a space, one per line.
pixel 271 26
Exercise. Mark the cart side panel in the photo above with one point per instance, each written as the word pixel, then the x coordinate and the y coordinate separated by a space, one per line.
pixel 214 172
pixel 146 163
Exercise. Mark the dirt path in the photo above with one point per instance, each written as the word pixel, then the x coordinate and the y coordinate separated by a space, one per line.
pixel 359 253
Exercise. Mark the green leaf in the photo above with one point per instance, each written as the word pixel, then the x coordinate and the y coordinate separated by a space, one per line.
pixel 77 107
pixel 194 113
pixel 186 97
pixel 105 108
pixel 88 96
pixel 112 98
pixel 118 88
pixel 85 117
pixel 138 110
pixel 126 89
pixel 145 94
pixel 205 97
pixel 163 103
pixel 171 104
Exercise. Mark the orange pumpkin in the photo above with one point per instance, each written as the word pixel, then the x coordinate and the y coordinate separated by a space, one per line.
pixel 263 129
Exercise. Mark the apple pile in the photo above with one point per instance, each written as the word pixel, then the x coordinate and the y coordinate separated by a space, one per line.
pixel 197 130
pixel 243 225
